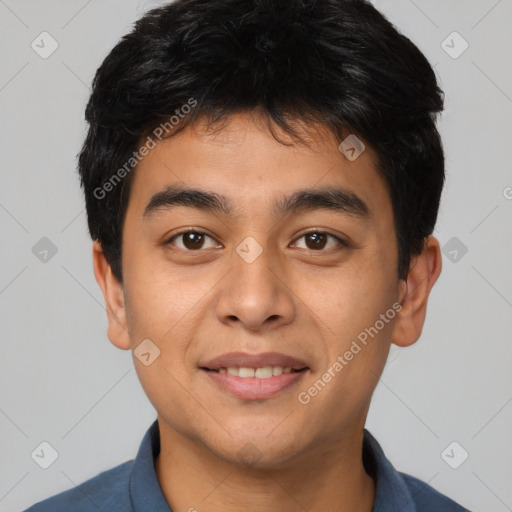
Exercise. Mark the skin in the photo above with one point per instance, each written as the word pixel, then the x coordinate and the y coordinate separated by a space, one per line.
pixel 294 298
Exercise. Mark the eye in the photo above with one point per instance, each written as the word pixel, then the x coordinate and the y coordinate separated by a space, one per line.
pixel 193 240
pixel 190 240
pixel 318 240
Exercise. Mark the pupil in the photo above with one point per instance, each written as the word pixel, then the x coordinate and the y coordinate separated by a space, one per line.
pixel 194 239
pixel 318 239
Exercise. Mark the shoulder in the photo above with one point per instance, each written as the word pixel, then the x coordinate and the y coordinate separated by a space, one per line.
pixel 108 490
pixel 426 498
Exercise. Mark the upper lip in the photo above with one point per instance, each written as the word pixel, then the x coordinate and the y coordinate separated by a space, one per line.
pixel 243 359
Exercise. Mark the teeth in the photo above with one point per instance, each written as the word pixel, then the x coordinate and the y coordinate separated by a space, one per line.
pixel 246 372
pixel 264 372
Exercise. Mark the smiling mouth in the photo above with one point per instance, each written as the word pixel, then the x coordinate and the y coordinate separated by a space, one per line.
pixel 263 372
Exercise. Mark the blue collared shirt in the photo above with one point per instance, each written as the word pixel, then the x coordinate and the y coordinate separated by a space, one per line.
pixel 133 486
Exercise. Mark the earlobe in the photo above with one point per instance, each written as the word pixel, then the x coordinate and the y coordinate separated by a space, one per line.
pixel 423 274
pixel 113 295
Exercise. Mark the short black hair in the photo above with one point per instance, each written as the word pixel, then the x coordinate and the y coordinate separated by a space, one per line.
pixel 340 63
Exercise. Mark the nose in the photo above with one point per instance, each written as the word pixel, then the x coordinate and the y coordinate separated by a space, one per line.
pixel 255 294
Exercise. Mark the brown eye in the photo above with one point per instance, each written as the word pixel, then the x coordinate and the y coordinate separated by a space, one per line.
pixel 190 240
pixel 193 240
pixel 318 240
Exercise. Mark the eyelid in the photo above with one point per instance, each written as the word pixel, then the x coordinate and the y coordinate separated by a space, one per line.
pixel 341 241
pixel 169 239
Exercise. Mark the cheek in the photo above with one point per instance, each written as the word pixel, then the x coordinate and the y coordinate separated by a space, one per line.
pixel 157 297
pixel 158 310
pixel 348 301
pixel 167 308
pixel 355 356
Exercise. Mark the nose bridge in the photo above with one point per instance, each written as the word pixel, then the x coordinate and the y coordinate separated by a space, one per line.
pixel 254 292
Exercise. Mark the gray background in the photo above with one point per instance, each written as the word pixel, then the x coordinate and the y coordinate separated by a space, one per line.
pixel 64 383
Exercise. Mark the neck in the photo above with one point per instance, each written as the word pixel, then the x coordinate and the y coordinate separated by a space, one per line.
pixel 329 477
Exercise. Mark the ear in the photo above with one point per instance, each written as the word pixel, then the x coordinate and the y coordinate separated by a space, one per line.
pixel 113 294
pixel 424 271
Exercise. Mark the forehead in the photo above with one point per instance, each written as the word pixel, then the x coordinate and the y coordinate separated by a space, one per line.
pixel 252 171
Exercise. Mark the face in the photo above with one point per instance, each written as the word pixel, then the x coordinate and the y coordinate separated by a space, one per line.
pixel 289 288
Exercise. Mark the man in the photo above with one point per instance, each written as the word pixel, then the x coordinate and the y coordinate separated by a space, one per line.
pixel 262 179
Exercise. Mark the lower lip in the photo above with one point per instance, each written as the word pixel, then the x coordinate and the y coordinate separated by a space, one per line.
pixel 252 388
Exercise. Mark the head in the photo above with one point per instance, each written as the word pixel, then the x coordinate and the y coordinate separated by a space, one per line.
pixel 231 211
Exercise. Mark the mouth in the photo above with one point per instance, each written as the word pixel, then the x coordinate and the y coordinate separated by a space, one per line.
pixel 254 376
pixel 262 372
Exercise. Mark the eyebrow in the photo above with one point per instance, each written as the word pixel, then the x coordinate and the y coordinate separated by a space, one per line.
pixel 340 200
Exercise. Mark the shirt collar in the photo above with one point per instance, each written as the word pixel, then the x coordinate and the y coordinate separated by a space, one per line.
pixel 391 493
pixel 145 491
pixel 146 494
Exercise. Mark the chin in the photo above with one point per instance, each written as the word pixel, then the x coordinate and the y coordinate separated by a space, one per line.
pixel 255 456
pixel 256 449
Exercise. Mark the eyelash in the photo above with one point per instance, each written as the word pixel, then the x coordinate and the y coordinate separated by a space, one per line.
pixel 342 243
